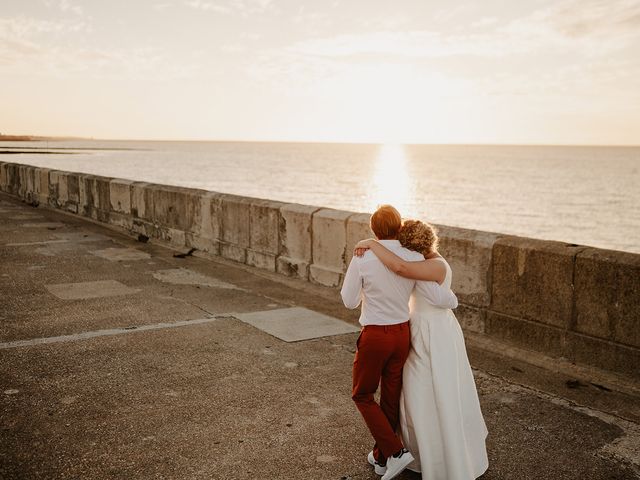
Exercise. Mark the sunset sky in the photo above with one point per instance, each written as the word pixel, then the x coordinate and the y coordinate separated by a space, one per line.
pixel 403 71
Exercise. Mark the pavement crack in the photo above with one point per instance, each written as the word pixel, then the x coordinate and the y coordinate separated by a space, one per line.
pixel 187 302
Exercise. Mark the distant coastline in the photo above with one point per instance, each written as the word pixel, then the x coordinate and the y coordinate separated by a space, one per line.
pixel 33 138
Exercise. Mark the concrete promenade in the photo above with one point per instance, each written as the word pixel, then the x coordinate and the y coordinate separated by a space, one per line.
pixel 119 360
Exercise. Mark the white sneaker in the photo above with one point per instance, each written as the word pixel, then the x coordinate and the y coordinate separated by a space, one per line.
pixel 397 463
pixel 379 469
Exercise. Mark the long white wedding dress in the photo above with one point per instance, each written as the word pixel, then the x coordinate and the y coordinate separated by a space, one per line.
pixel 440 417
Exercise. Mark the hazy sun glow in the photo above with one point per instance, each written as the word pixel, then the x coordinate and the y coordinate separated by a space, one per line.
pixel 549 71
pixel 390 183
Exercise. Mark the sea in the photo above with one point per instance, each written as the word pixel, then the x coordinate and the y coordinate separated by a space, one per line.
pixel 585 195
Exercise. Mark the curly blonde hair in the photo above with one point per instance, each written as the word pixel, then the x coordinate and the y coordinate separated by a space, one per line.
pixel 418 236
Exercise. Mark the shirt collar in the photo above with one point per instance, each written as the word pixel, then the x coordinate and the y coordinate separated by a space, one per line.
pixel 390 243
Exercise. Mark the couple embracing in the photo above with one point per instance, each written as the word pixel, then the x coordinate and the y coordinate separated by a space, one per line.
pixel 411 345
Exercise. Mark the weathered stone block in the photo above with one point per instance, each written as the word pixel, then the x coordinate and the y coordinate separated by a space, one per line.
pixel 87 193
pixel 122 220
pixel 170 205
pixel 607 295
pixel 95 197
pixel 206 221
pixel 11 178
pixel 142 200
pixel 526 334
pixel 3 176
pixel 604 354
pixel 21 187
pixel 264 226
pixel 234 226
pixel 329 243
pixel 120 195
pixel 233 252
pixel 295 240
pixel 533 279
pixel 58 194
pixel 204 244
pixel 469 253
pixel 171 236
pixel 32 185
pixel 357 229
pixel 42 177
pixel 266 261
pixel 73 189
pixel 103 197
pixel 470 318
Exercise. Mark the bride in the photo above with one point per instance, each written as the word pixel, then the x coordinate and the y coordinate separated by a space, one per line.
pixel 440 417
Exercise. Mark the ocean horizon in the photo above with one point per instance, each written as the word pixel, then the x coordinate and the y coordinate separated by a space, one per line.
pixel 585 195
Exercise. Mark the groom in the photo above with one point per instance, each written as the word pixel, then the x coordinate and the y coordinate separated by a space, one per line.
pixel 384 342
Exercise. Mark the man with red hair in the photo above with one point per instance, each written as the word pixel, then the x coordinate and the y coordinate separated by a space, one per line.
pixel 384 342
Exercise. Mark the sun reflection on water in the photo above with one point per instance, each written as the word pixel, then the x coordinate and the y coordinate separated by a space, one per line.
pixel 390 182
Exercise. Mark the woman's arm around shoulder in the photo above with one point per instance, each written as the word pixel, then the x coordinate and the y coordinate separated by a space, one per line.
pixel 430 269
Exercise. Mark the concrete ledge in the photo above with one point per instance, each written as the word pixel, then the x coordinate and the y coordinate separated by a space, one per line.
pixel 517 290
pixel 94 197
pixel 174 207
pixel 607 297
pixel 357 229
pixel 235 217
pixel 264 227
pixel 141 200
pixel 295 240
pixel 533 280
pixel 527 334
pixel 329 246
pixel 120 196
pixel 471 319
pixel 607 355
pixel 470 255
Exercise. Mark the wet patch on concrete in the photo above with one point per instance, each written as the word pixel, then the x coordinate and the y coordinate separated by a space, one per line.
pixel 70 237
pixel 296 324
pixel 121 254
pixel 56 248
pixel 81 237
pixel 184 276
pixel 25 216
pixel 85 290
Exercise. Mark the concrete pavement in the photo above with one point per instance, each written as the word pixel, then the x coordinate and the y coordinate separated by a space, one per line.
pixel 118 360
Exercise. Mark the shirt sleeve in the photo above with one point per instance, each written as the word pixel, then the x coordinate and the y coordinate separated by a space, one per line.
pixel 437 295
pixel 351 291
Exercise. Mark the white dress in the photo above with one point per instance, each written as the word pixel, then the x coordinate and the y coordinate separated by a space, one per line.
pixel 440 417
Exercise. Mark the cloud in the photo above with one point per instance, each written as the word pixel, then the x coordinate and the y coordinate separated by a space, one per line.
pixel 21 37
pixel 243 7
pixel 580 18
pixel 28 45
pixel 65 6
pixel 585 27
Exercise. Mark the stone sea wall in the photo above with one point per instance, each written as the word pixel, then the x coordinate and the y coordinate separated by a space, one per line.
pixel 564 300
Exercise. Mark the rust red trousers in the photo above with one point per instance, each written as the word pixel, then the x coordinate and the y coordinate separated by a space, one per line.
pixel 380 356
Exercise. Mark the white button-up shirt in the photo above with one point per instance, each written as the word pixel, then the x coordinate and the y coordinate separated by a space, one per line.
pixel 385 295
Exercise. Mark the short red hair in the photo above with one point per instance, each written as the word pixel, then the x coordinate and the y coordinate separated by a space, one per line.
pixel 386 222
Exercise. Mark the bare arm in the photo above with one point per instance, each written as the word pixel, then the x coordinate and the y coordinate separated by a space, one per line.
pixel 430 270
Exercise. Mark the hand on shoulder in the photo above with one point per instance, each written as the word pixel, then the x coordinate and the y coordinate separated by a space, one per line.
pixel 362 246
